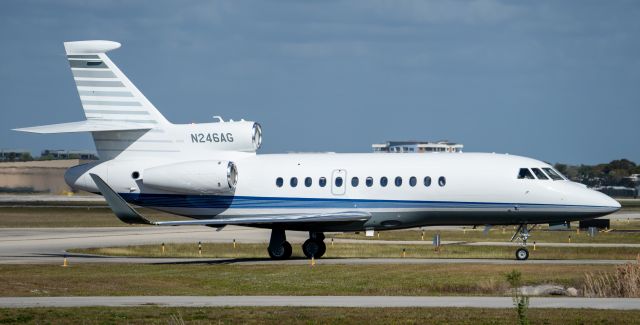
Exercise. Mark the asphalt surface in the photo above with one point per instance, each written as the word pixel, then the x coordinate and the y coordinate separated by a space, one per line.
pixel 49 245
pixel 316 301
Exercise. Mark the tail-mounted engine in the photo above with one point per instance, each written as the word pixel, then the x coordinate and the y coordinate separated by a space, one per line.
pixel 193 177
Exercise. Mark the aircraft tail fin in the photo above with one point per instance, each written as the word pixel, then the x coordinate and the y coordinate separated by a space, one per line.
pixel 107 95
pixel 120 118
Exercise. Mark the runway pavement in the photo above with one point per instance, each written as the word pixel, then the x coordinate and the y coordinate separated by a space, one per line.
pixel 49 245
pixel 317 301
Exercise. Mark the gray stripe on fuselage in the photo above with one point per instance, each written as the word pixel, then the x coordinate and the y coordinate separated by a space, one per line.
pixel 97 111
pixel 82 56
pixel 109 103
pixel 93 74
pixel 98 83
pixel 105 93
pixel 89 64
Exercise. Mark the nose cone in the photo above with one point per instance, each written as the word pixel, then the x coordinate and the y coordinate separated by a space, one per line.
pixel 603 202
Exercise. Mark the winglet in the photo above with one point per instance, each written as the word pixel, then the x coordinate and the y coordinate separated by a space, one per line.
pixel 118 205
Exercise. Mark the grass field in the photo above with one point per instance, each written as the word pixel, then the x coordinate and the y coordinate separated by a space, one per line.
pixel 217 279
pixel 628 204
pixel 309 315
pixel 80 216
pixel 345 250
pixel 500 235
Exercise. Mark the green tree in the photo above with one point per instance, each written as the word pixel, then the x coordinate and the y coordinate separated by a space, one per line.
pixel 25 156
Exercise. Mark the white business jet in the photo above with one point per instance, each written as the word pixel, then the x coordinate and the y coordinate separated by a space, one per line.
pixel 211 173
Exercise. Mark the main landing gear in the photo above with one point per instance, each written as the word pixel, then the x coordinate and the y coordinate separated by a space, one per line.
pixel 280 249
pixel 314 246
pixel 522 234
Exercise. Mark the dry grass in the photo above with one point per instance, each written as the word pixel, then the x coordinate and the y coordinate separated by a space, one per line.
pixel 623 282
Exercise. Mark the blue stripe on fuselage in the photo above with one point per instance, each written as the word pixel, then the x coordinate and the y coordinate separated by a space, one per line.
pixel 258 202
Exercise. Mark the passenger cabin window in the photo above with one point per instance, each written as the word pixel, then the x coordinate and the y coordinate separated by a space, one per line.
pixel 339 182
pixel 369 181
pixel 413 181
pixel 308 182
pixel 524 173
pixel 398 181
pixel 322 181
pixel 427 181
pixel 442 181
pixel 383 181
pixel 293 182
pixel 279 182
pixel 355 181
pixel 539 174
pixel 553 174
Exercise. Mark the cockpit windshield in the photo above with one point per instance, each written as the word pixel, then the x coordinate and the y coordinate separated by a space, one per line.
pixel 539 174
pixel 553 174
pixel 543 173
pixel 525 173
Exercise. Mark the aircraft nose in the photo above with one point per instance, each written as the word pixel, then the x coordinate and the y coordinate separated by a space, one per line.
pixel 608 204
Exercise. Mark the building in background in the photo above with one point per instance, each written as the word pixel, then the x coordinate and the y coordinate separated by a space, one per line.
pixel 417 146
pixel 15 155
pixel 68 154
pixel 36 176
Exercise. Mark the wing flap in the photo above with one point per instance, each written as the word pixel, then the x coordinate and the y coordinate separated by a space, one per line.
pixel 346 216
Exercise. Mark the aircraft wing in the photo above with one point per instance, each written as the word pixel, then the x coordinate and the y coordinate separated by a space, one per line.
pixel 127 214
pixel 346 216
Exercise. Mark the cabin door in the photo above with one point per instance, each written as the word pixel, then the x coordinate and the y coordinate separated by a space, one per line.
pixel 339 182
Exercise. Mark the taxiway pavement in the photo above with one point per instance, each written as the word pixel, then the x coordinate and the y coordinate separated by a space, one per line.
pixel 49 245
pixel 317 301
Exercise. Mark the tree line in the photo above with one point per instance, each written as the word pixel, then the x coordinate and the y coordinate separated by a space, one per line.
pixel 614 173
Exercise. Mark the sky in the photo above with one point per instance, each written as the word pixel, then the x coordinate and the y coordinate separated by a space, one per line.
pixel 557 81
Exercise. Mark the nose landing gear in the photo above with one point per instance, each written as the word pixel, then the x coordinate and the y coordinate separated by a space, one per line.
pixel 522 234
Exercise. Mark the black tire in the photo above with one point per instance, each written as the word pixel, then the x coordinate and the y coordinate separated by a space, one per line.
pixel 323 249
pixel 522 254
pixel 313 248
pixel 282 252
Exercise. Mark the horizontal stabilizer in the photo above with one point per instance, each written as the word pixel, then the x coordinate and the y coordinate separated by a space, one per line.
pixel 86 126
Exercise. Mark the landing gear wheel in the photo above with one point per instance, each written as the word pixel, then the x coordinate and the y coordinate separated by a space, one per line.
pixel 281 252
pixel 313 248
pixel 522 254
